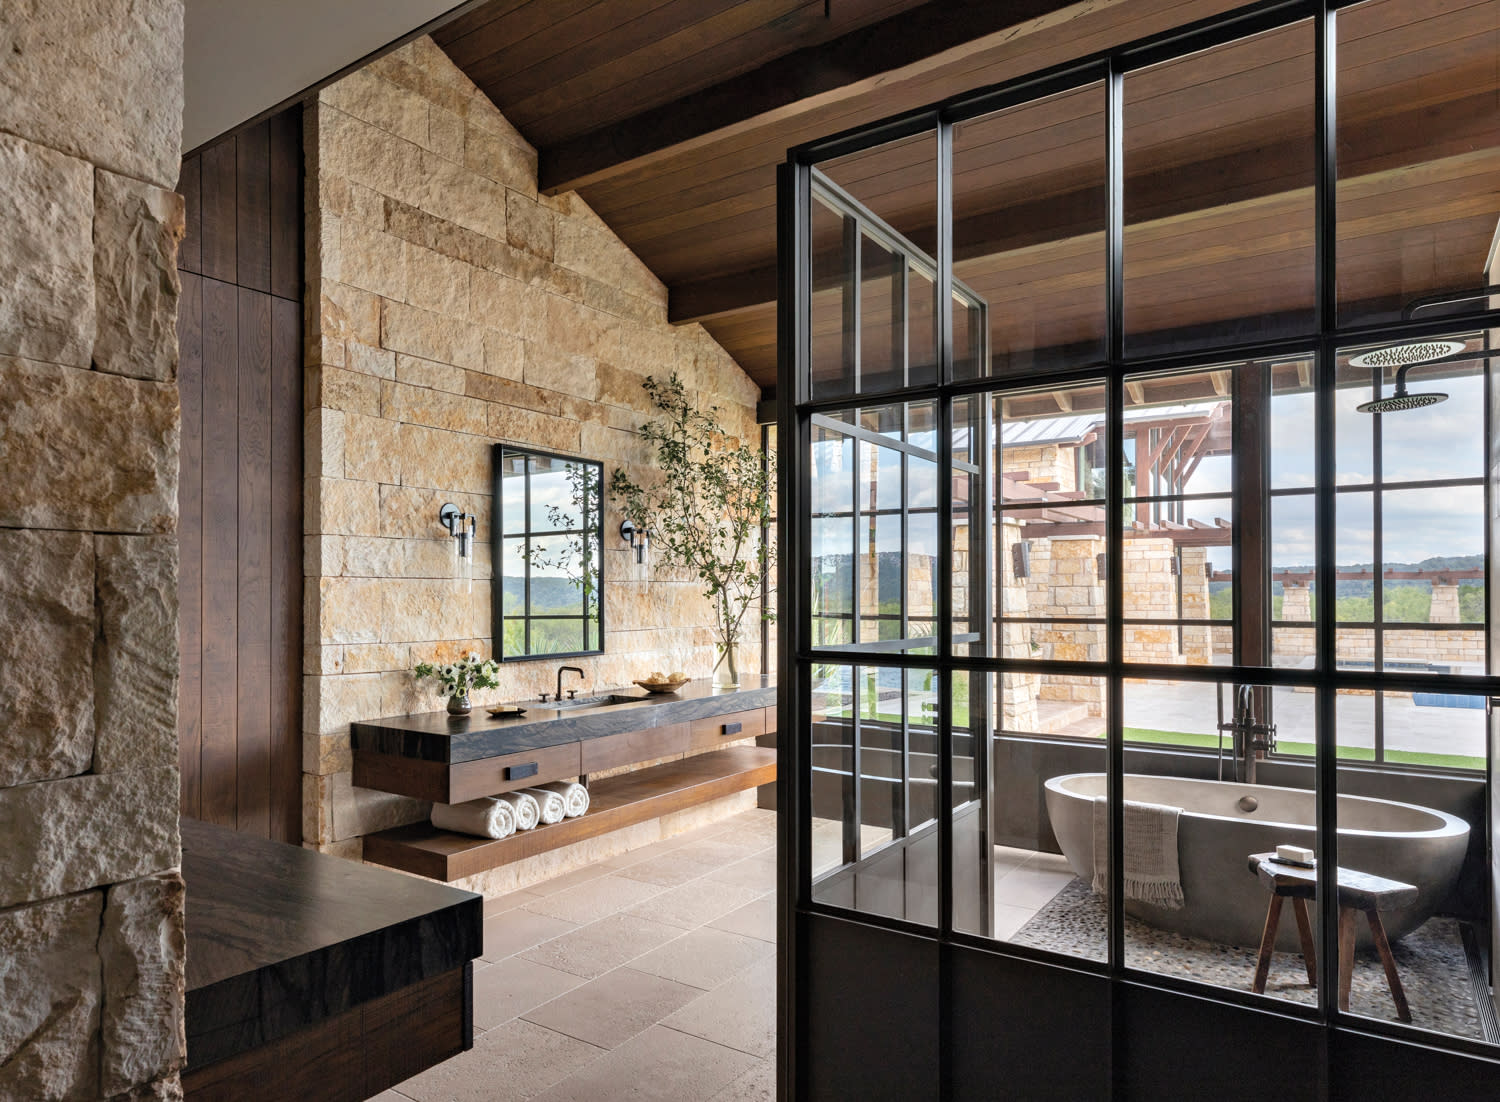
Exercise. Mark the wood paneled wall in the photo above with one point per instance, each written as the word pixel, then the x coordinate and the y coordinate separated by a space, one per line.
pixel 240 528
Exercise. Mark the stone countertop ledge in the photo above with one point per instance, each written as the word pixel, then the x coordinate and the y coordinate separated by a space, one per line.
pixel 437 736
pixel 280 938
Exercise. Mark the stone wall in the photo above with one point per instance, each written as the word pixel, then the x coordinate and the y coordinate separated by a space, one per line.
pixel 450 307
pixel 91 943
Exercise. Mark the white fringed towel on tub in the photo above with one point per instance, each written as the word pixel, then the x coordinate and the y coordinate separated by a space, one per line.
pixel 486 817
pixel 552 805
pixel 1152 874
pixel 528 814
pixel 575 797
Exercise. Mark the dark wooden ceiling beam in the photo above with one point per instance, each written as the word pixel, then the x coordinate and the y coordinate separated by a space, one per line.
pixel 1268 169
pixel 795 83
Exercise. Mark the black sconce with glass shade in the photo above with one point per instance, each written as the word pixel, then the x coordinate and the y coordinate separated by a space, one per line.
pixel 461 526
pixel 638 538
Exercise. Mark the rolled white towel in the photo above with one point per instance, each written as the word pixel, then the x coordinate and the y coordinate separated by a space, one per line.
pixel 552 805
pixel 486 817
pixel 575 797
pixel 528 814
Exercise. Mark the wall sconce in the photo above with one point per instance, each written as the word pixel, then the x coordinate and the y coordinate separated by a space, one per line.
pixel 460 526
pixel 637 537
pixel 1020 560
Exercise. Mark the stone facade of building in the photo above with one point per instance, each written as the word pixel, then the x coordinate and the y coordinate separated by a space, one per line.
pixel 91 900
pixel 451 307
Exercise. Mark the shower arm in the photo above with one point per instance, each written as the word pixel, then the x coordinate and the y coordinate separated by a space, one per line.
pixel 1448 298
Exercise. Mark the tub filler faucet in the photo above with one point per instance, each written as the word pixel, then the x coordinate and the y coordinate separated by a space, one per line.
pixel 1251 738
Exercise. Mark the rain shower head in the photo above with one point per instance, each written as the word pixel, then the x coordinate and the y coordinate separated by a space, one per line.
pixel 1404 357
pixel 1401 400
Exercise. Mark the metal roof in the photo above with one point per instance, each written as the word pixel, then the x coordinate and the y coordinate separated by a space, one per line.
pixel 1073 428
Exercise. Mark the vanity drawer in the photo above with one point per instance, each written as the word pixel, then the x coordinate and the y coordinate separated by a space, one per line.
pixel 721 730
pixel 490 776
pixel 611 751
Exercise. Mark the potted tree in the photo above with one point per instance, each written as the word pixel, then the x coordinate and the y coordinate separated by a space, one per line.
pixel 705 512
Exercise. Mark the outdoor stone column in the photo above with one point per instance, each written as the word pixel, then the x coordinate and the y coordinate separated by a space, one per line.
pixel 1296 602
pixel 1444 604
pixel 1197 642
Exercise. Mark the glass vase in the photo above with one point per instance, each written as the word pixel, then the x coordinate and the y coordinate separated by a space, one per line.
pixel 458 704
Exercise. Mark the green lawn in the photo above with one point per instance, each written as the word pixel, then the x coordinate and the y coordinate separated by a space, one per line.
pixel 1305 749
pixel 1209 742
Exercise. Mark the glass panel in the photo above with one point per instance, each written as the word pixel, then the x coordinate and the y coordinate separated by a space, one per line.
pixel 1025 847
pixel 1418 150
pixel 1293 425
pixel 832 351
pixel 553 508
pixel 1053 436
pixel 1173 551
pixel 1220 157
pixel 556 636
pixel 1408 444
pixel 1410 889
pixel 1293 580
pixel 1028 234
pixel 921 328
pixel 882 335
pixel 873 812
pixel 875 542
pixel 897 183
pixel 1201 829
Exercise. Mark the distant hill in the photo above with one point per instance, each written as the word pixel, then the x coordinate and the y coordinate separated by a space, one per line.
pixel 548 595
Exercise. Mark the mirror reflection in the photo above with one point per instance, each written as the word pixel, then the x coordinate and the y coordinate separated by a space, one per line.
pixel 548 595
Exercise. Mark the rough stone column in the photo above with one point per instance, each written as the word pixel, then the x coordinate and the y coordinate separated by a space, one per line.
pixel 1444 604
pixel 91 931
pixel 1296 602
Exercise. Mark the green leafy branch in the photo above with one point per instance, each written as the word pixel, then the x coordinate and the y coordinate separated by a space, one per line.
pixel 706 509
pixel 576 557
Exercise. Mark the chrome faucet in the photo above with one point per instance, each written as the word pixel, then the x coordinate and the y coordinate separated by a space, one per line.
pixel 1251 737
pixel 571 692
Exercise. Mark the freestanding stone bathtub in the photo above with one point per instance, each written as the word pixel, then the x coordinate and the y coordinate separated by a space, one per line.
pixel 1223 900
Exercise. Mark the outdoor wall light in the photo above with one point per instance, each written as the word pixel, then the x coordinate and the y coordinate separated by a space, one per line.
pixel 637 537
pixel 1020 560
pixel 460 526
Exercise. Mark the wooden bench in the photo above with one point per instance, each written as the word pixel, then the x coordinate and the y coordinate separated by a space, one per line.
pixel 1358 892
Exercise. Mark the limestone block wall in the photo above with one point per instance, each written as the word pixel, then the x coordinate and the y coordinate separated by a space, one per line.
pixel 450 306
pixel 91 901
pixel 1044 463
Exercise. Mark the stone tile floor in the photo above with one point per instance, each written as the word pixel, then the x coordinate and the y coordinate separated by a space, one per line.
pixel 648 976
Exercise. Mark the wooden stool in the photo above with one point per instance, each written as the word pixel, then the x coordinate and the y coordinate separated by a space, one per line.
pixel 1358 891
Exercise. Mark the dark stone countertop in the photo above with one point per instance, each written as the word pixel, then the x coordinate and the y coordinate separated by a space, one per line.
pixel 436 736
pixel 280 937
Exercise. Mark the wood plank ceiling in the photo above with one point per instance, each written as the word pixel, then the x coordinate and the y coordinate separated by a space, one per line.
pixel 669 117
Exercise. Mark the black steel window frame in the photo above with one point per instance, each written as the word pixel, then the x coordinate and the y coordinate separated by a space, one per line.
pixel 798 406
pixel 591 526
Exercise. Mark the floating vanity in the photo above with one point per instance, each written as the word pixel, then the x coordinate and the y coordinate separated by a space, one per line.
pixel 432 756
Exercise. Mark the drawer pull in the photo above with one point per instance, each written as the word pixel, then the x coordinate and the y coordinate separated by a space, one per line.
pixel 517 772
pixel 733 728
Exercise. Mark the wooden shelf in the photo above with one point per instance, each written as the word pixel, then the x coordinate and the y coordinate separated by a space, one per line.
pixel 615 802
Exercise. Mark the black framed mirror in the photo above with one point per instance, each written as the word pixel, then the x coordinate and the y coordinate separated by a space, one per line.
pixel 548 592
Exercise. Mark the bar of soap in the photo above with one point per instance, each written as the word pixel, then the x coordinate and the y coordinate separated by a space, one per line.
pixel 1295 855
